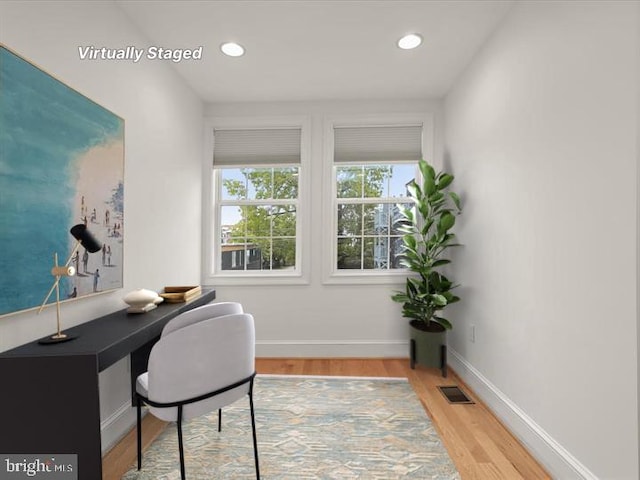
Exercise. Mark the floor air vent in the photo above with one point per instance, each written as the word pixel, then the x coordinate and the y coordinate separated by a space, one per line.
pixel 454 395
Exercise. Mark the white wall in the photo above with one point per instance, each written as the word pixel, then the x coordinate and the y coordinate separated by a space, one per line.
pixel 541 132
pixel 638 229
pixel 163 154
pixel 320 320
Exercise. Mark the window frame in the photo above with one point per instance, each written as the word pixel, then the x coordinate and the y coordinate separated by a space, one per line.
pixel 212 233
pixel 331 273
pixel 364 201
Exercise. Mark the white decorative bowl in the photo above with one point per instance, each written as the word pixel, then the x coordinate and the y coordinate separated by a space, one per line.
pixel 142 300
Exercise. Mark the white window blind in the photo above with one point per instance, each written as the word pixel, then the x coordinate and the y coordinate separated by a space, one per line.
pixel 256 147
pixel 374 144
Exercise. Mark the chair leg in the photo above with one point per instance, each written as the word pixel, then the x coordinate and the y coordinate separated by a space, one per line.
pixel 219 420
pixel 180 445
pixel 139 429
pixel 253 428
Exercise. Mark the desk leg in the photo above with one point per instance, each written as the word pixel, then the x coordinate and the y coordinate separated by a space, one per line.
pixel 139 362
pixel 51 405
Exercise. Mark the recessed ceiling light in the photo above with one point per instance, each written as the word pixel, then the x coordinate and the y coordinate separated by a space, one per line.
pixel 232 49
pixel 410 41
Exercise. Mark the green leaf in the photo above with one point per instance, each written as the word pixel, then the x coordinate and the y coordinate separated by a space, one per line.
pixel 447 237
pixel 444 282
pixel 405 263
pixel 414 189
pixel 429 186
pixel 453 299
pixel 427 170
pixel 439 300
pixel 456 200
pixel 423 208
pixel 445 181
pixel 409 230
pixel 436 283
pixel 426 227
pixel 438 263
pixel 447 220
pixel 400 297
pixel 412 261
pixel 410 214
pixel 416 284
pixel 436 199
pixel 410 241
pixel 443 321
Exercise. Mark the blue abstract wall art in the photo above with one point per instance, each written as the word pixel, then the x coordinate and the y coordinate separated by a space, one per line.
pixel 61 163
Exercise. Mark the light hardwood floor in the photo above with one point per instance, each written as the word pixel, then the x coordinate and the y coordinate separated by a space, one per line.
pixel 480 446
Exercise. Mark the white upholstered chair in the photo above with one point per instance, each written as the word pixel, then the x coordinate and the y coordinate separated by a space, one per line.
pixel 204 364
pixel 204 312
pixel 197 314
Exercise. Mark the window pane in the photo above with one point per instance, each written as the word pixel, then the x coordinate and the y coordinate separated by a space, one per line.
pixel 349 253
pixel 349 182
pixel 376 181
pixel 234 184
pixel 367 254
pixel 232 256
pixel 258 219
pixel 401 174
pixel 349 220
pixel 376 219
pixel 375 253
pixel 284 220
pixel 254 256
pixel 259 183
pixel 284 254
pixel 367 235
pixel 231 224
pixel 285 183
pixel 258 249
pixel 397 247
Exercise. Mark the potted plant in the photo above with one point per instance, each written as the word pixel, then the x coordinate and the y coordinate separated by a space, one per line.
pixel 426 226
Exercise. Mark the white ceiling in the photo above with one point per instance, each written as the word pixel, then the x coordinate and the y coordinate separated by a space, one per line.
pixel 319 50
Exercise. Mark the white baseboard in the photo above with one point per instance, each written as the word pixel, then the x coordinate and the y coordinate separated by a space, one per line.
pixel 117 425
pixel 332 348
pixel 555 458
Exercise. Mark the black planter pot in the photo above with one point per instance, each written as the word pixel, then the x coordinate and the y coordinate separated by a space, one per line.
pixel 428 345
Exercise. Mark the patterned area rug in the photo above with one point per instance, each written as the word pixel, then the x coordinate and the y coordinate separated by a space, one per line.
pixel 309 428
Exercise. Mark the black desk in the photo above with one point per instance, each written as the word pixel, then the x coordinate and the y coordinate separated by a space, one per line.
pixel 49 399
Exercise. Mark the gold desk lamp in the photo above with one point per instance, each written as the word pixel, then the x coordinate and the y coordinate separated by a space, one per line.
pixel 84 238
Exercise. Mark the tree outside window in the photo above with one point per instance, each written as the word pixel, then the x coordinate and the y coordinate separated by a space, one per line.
pixel 258 217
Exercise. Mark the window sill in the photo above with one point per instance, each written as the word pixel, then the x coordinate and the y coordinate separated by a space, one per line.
pixel 256 279
pixel 366 278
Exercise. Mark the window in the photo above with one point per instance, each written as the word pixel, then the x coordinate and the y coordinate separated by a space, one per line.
pixel 366 214
pixel 256 228
pixel 371 167
pixel 258 218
